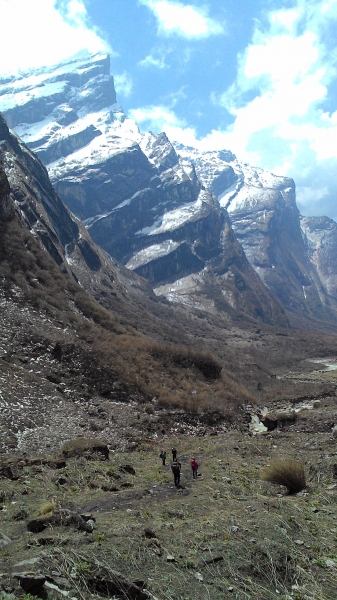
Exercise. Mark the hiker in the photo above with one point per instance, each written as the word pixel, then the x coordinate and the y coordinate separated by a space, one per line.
pixel 162 455
pixel 174 454
pixel 194 466
pixel 176 468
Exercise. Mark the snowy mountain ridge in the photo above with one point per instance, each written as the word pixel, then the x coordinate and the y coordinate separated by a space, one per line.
pixel 167 211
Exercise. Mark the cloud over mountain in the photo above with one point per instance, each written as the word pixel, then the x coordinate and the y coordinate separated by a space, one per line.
pixel 48 31
pixel 181 19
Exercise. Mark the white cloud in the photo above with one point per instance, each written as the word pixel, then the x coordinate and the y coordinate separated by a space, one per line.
pixel 151 61
pixel 123 84
pixel 284 115
pixel 163 118
pixel 181 19
pixel 279 102
pixel 44 32
pixel 155 118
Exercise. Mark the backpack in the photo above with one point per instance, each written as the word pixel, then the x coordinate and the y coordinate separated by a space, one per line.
pixel 175 468
pixel 161 454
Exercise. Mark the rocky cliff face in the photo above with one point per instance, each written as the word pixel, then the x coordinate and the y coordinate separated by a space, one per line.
pixel 187 221
pixel 266 221
pixel 26 192
pixel 320 240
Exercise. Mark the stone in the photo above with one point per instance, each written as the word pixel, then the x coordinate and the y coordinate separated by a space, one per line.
pixel 20 515
pixel 90 523
pixel 170 558
pixel 272 420
pixel 149 533
pixel 31 583
pixel 37 525
pixel 4 540
pixel 61 480
pixel 108 582
pixel 213 560
pixel 67 517
pixel 87 517
pixel 227 480
pixel 10 471
pixel 127 469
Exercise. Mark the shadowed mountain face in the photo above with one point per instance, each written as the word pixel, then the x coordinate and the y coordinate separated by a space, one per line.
pixel 62 354
pixel 28 197
pixel 187 221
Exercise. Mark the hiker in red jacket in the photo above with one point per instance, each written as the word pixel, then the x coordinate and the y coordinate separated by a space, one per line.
pixel 194 466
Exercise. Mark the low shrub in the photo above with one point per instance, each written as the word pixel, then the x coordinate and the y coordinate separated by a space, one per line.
pixel 46 508
pixel 85 447
pixel 287 472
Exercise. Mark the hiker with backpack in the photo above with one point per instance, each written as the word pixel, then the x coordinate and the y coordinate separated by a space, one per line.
pixel 176 468
pixel 174 454
pixel 162 455
pixel 194 466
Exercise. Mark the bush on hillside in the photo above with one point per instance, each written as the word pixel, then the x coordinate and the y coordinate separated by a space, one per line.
pixel 85 447
pixel 287 472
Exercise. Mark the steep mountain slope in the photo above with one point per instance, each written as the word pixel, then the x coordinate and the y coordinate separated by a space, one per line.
pixel 320 239
pixel 139 200
pixel 266 221
pixel 62 355
pixel 168 212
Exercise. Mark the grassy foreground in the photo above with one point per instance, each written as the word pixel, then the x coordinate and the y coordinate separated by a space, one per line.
pixel 226 535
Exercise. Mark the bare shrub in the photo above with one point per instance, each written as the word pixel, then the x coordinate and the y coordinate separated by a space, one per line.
pixel 186 357
pixel 288 472
pixel 46 508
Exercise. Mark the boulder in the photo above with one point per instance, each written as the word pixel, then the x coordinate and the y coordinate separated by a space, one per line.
pixel 127 469
pixel 113 583
pixel 39 524
pixel 273 420
pixel 4 540
pixel 10 471
pixel 31 583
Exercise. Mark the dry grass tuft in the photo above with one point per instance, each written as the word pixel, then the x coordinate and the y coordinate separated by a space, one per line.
pixel 288 472
pixel 46 508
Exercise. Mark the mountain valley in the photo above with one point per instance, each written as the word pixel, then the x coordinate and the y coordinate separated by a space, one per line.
pixel 154 296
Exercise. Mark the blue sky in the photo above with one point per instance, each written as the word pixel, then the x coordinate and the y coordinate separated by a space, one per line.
pixel 257 78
